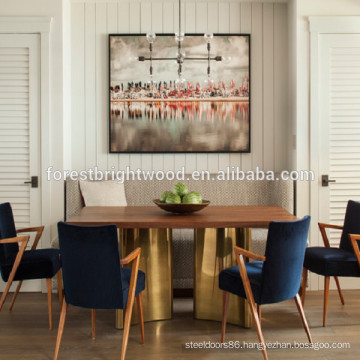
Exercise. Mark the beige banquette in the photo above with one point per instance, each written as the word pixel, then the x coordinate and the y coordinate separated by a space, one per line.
pixel 219 192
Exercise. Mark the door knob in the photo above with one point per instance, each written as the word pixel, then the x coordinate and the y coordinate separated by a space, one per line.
pixel 34 182
pixel 325 180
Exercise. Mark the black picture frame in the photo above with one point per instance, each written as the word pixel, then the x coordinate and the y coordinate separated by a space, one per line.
pixel 163 151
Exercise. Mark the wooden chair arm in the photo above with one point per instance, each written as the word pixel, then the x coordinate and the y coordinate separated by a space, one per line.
pixel 240 251
pixel 31 229
pixel 132 256
pixel 330 226
pixel 15 240
pixel 354 238
pixel 39 230
pixel 322 228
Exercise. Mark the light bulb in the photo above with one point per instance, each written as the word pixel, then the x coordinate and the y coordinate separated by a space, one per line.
pixel 150 37
pixel 179 37
pixel 226 59
pixel 181 56
pixel 208 37
pixel 180 83
pixel 133 58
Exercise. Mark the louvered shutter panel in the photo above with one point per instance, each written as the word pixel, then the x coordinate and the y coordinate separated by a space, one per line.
pixel 14 131
pixel 344 132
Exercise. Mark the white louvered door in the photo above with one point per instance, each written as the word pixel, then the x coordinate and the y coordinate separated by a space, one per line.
pixel 20 130
pixel 339 92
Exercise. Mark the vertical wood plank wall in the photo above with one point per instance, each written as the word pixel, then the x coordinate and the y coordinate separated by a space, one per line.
pixel 91 21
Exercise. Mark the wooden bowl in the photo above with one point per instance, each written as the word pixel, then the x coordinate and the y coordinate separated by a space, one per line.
pixel 181 208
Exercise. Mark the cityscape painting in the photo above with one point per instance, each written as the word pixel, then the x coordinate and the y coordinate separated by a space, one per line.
pixel 158 113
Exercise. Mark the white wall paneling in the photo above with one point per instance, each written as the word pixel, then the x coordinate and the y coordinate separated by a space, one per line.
pixel 101 93
pixel 78 86
pixel 268 86
pixel 281 72
pixel 90 85
pixel 91 21
pixel 258 140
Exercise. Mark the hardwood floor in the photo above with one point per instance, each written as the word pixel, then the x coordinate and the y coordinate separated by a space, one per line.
pixel 24 333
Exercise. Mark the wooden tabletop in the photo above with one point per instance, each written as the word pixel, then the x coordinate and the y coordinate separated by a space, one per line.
pixel 153 217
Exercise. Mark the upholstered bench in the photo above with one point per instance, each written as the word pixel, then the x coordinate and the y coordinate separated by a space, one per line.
pixel 246 192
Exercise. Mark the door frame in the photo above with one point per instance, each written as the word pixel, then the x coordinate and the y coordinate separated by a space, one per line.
pixel 320 25
pixel 41 26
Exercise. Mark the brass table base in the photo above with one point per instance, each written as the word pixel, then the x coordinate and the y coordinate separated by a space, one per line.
pixel 156 262
pixel 214 253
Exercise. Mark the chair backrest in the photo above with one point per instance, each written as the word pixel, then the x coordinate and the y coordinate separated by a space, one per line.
pixel 285 251
pixel 7 230
pixel 91 266
pixel 351 224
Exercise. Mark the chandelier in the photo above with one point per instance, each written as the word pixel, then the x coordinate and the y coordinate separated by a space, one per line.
pixel 181 57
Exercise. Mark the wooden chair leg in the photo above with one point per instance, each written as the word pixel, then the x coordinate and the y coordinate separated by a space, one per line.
pixel 303 286
pixel 326 298
pixel 259 312
pixel 257 325
pixel 4 295
pixel 15 295
pixel 250 298
pixel 49 291
pixel 13 272
pixel 127 321
pixel 303 318
pixel 93 323
pixel 60 290
pixel 226 297
pixel 339 290
pixel 130 299
pixel 61 328
pixel 141 317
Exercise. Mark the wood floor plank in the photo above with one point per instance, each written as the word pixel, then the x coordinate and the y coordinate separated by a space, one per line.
pixel 24 332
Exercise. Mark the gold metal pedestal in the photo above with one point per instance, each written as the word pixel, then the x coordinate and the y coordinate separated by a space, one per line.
pixel 214 253
pixel 156 262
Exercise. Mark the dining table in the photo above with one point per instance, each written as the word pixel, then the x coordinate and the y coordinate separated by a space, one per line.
pixel 217 229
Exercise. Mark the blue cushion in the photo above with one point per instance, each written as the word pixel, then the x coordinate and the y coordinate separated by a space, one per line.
pixel 125 278
pixel 331 262
pixel 35 264
pixel 230 280
pixel 7 230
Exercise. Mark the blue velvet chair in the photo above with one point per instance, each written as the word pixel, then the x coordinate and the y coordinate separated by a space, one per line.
pixel 269 279
pixel 18 264
pixel 330 261
pixel 94 278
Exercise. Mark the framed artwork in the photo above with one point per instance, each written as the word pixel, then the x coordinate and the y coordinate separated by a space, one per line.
pixel 153 114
